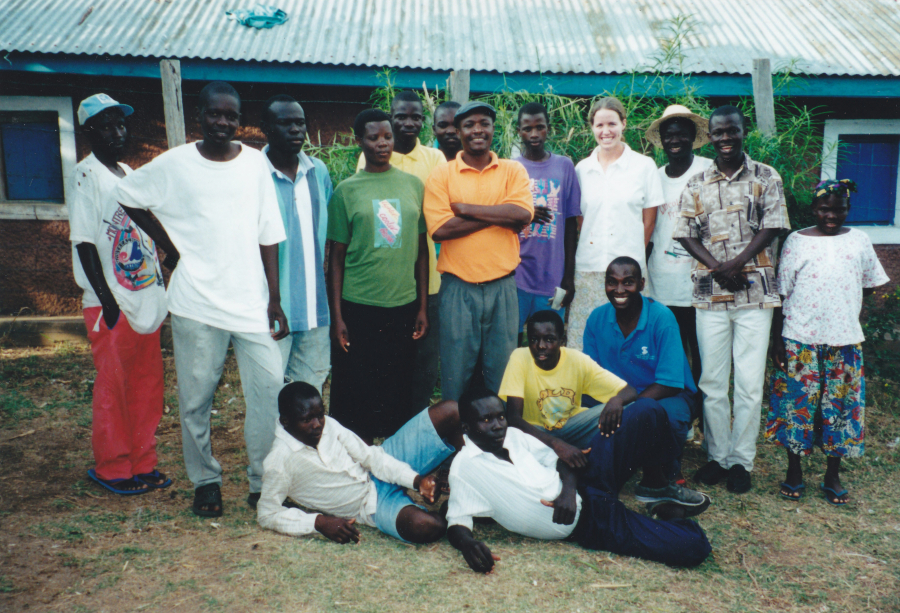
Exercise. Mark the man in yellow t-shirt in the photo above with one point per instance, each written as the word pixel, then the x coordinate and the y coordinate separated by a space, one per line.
pixel 412 157
pixel 543 385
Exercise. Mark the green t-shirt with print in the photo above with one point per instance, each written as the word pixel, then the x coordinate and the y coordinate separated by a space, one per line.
pixel 378 215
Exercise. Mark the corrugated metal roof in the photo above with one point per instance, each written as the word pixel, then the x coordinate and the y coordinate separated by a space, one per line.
pixel 827 37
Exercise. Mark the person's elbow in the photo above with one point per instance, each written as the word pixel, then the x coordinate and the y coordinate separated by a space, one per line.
pixel 441 234
pixel 522 215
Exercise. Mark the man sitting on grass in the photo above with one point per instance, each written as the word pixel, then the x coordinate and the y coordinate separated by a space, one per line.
pixel 322 465
pixel 518 481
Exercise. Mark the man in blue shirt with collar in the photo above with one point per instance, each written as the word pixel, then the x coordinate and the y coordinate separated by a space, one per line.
pixel 304 188
pixel 638 339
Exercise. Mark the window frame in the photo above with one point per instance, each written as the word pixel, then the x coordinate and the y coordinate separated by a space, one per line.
pixel 834 128
pixel 40 209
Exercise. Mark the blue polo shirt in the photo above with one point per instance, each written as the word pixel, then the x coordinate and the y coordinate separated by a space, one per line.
pixel 652 353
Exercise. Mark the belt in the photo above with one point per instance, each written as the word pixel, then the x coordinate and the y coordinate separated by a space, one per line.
pixel 512 274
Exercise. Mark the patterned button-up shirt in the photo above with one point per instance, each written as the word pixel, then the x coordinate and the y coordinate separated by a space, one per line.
pixel 725 214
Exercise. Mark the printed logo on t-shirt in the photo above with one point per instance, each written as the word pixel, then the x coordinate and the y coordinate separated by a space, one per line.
pixel 544 193
pixel 132 254
pixel 645 355
pixel 556 405
pixel 388 223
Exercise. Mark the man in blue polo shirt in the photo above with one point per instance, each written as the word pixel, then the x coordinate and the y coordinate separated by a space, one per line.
pixel 637 339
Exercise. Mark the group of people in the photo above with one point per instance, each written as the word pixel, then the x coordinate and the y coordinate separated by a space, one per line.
pixel 439 262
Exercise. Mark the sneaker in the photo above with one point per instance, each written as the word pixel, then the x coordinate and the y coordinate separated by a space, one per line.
pixel 710 473
pixel 668 511
pixel 670 493
pixel 738 480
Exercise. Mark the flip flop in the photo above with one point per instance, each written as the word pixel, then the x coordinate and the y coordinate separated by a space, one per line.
pixel 113 485
pixel 145 478
pixel 837 495
pixel 794 488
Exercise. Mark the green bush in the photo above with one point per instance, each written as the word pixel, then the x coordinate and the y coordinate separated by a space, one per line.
pixel 881 326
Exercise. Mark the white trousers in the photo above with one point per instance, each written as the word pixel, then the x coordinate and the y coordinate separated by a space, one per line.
pixel 744 336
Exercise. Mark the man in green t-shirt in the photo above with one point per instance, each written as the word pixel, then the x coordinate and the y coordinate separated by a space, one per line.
pixel 377 284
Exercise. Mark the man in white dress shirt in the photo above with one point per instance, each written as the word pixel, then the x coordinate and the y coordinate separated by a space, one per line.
pixel 518 481
pixel 322 465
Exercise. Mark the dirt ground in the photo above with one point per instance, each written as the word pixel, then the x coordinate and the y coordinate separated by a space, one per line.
pixel 67 545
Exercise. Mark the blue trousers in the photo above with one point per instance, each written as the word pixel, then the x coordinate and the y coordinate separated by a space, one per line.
pixel 644 439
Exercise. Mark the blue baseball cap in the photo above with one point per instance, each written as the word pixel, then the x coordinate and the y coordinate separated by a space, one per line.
pixel 97 103
pixel 474 107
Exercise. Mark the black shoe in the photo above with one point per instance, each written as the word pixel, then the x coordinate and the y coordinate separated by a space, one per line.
pixel 738 480
pixel 668 511
pixel 710 473
pixel 253 500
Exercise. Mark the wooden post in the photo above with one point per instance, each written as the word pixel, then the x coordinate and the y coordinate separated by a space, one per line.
pixel 458 84
pixel 763 96
pixel 173 108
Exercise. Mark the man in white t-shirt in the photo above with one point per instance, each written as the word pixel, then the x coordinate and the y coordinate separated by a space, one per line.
pixel 678 132
pixel 124 306
pixel 220 228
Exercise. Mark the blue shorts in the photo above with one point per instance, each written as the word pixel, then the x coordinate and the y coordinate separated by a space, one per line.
pixel 417 443
pixel 529 304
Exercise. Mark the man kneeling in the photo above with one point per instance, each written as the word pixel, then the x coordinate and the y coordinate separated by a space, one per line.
pixel 321 465
pixel 518 481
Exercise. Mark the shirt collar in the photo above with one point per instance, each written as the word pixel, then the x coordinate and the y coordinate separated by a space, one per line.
pixel 595 162
pixel 415 154
pixel 304 167
pixel 610 315
pixel 474 450
pixel 713 174
pixel 463 166
pixel 292 443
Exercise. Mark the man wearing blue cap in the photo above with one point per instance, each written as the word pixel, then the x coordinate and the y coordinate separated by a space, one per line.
pixel 124 306
pixel 475 206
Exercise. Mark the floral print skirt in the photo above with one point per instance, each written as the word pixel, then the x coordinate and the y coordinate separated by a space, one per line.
pixel 820 400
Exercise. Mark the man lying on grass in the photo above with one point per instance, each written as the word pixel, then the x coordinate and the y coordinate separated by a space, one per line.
pixel 322 465
pixel 520 482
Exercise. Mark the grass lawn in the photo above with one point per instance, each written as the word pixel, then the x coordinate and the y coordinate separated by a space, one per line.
pixel 67 545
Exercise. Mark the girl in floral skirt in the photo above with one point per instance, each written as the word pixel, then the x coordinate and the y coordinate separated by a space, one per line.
pixel 818 390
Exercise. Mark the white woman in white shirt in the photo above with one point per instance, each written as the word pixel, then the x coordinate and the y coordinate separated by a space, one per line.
pixel 620 190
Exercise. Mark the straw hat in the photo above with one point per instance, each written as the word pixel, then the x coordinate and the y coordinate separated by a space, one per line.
pixel 676 110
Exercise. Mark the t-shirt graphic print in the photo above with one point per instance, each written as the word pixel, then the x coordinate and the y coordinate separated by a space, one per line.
pixel 388 223
pixel 556 406
pixel 133 255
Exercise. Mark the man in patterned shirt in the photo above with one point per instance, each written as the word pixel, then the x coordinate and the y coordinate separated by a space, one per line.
pixel 730 214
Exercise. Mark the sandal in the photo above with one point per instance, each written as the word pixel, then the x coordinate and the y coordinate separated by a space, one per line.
pixel 835 497
pixel 209 495
pixel 155 479
pixel 795 489
pixel 122 487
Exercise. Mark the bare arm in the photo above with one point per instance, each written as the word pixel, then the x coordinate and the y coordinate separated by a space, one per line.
pixel 510 216
pixel 658 391
pixel 565 507
pixel 421 272
pixel 611 416
pixel 339 333
pixel 570 243
pixel 778 352
pixel 269 255
pixel 457 227
pixel 148 224
pixel 93 270
pixel 649 216
pixel 571 455
pixel 476 553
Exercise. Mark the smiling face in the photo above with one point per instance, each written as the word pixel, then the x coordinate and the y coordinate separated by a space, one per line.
pixel 726 134
pixel 544 343
pixel 677 138
pixel 406 120
pixel 623 286
pixel 445 132
pixel 607 127
pixel 285 127
pixel 830 213
pixel 306 422
pixel 220 118
pixel 487 426
pixel 476 132
pixel 107 133
pixel 377 143
pixel 533 131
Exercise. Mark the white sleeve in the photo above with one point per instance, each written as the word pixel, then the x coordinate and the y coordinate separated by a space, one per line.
pixel 541 452
pixel 271 227
pixel 84 208
pixel 655 195
pixel 375 459
pixel 145 188
pixel 271 514
pixel 873 273
pixel 787 268
pixel 465 503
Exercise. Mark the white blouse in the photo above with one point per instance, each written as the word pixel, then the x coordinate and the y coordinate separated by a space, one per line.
pixel 613 202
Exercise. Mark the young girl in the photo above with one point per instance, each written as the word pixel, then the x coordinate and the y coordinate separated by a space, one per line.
pixel 818 391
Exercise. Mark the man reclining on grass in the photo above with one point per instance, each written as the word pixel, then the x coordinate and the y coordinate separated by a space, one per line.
pixel 322 465
pixel 520 482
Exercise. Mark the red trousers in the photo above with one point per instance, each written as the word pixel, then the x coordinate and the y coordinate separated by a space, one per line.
pixel 128 397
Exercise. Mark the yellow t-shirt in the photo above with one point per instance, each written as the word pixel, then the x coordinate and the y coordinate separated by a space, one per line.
pixel 553 396
pixel 419 162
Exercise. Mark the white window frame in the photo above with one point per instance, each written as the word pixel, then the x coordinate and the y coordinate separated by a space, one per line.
pixel 880 235
pixel 39 209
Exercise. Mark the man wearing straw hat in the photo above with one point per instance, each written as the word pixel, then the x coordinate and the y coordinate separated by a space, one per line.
pixel 678 132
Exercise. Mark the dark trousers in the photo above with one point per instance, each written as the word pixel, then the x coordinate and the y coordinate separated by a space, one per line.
pixel 644 439
pixel 370 382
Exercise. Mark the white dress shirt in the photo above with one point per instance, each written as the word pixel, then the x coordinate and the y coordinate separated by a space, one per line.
pixel 612 202
pixel 483 485
pixel 332 478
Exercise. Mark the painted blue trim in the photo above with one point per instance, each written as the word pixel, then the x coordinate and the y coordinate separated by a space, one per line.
pixel 358 76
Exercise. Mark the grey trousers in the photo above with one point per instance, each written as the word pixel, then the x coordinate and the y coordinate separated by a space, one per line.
pixel 477 321
pixel 200 352
pixel 307 356
pixel 427 360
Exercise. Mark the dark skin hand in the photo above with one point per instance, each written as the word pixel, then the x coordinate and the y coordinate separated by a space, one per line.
pixel 570 242
pixel 565 506
pixel 337 529
pixel 339 333
pixel 93 270
pixel 148 224
pixel 611 416
pixel 420 329
pixel 476 554
pixel 730 274
pixel 269 254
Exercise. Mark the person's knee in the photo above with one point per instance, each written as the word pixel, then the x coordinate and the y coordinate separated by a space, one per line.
pixel 695 551
pixel 422 527
pixel 445 417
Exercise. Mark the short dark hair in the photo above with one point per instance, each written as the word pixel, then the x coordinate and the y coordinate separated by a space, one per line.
pixel 727 111
pixel 533 108
pixel 545 317
pixel 292 396
pixel 624 260
pixel 267 106
pixel 690 125
pixel 368 116
pixel 407 95
pixel 216 87
pixel 450 104
pixel 469 398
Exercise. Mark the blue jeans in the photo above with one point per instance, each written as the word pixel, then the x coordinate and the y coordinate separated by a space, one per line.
pixel 529 304
pixel 307 356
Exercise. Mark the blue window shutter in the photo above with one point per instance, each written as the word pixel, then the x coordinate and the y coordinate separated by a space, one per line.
pixel 871 161
pixel 31 161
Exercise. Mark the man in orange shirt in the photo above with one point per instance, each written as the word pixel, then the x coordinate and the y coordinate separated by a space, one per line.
pixel 475 206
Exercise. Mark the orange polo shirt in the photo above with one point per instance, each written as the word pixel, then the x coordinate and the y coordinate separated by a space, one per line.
pixel 490 253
